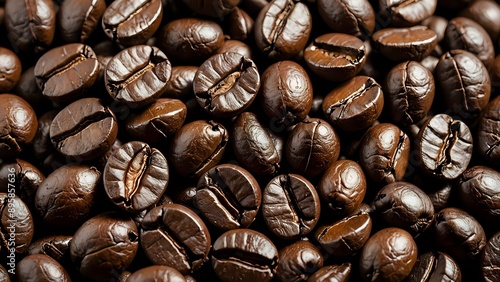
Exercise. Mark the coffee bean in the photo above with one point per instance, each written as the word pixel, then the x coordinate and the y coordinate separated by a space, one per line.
pixel 27 88
pixel 180 84
pixel 41 267
pixel 408 12
pixel 156 273
pixel 24 177
pixel 17 226
pixel 4 274
pixel 352 17
pixel 300 259
pixel 236 46
pixel 438 24
pixel 217 8
pixel 490 260
pixel 339 273
pixel 10 70
pixel 240 24
pixel 485 13
pixel 73 27
pixel 55 246
pixel 436 266
pixel 488 133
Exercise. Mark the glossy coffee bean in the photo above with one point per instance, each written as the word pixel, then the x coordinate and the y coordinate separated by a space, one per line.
pixel 65 197
pixel 240 25
pixel 244 254
pixel 485 13
pixel 180 84
pixel 132 22
pixel 338 273
pixel 228 196
pixel 103 245
pixel 408 13
pixel 298 261
pixel 345 237
pixel 312 146
pixel 343 187
pixel 226 84
pixel 479 191
pixel 404 205
pixel 24 177
pixel 156 273
pixel 488 132
pixel 444 147
pixel 217 8
pixel 352 17
pixel 282 29
pixel 86 121
pixel 435 266
pixel 254 146
pixel 438 24
pixel 459 234
pixel 158 122
pixel 18 125
pixel 490 260
pixel 138 75
pixel 389 255
pixel 10 70
pixel 40 267
pixel 355 104
pixel 190 40
pixel 54 246
pixel 175 236
pixel 335 56
pixel 77 19
pixel 409 92
pixel 135 176
pixel 405 44
pixel 197 147
pixel 290 206
pixel 65 72
pixel 17 226
pixel 4 274
pixel 286 93
pixel 384 153
pixel 236 46
pixel 30 25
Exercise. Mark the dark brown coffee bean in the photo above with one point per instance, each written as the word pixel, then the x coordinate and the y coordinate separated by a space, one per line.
pixel 228 196
pixel 408 12
pixel 337 273
pixel 485 13
pixel 236 46
pixel 355 104
pixel 216 8
pixel 77 19
pixel 55 246
pixel 352 17
pixel 345 237
pixel 138 75
pixel 444 147
pixel 244 254
pixel 298 261
pixel 132 22
pixel 282 29
pixel 384 153
pixel 10 70
pixel 290 206
pixel 438 24
pixel 240 25
pixel 41 145
pixel 27 88
pixel 488 136
pixel 226 84
pixel 40 267
pixel 24 177
pixel 335 56
pixel 17 226
pixel 18 125
pixel 175 236
pixel 405 44
pixel 180 84
pixel 156 273
pixel 86 121
pixel 435 267
pixel 197 147
pixel 4 274
pixel 490 260
pixel 135 176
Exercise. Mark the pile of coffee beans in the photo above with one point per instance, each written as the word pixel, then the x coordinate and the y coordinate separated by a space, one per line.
pixel 250 140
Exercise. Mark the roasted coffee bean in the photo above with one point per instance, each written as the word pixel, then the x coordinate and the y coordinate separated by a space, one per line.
pixel 244 254
pixel 156 273
pixel 10 70
pixel 253 146
pixel 405 44
pixel 298 261
pixel 190 40
pixel 22 176
pixel 17 226
pixel 389 255
pixel 490 260
pixel 409 92
pixel 55 246
pixel 132 22
pixel 485 13
pixel 158 122
pixel 488 132
pixel 180 84
pixel 228 196
pixel 384 153
pixel 430 63
pixel 104 245
pixel 236 46
pixel 18 125
pixel 138 75
pixel 290 206
pixel 175 236
pixel 355 104
pixel 335 56
pixel 408 12
pixel 217 8
pixel 459 234
pixel 135 176
pixel 282 29
pixel 30 25
pixel 338 273
pixel 65 72
pixel 352 17
pixel 65 197
pixel 40 267
pixel 466 34
pixel 4 274
pixel 226 84
pixel 86 121
pixel 444 147
pixel 404 205
pixel 197 147
pixel 479 191
pixel 345 237
pixel 77 19
pixel 240 25
pixel 27 88
pixel 436 266
pixel 438 24
pixel 286 93
pixel 343 187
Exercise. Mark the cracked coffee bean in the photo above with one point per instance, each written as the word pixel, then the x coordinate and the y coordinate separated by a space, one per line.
pixel 408 12
pixel 435 266
pixel 55 246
